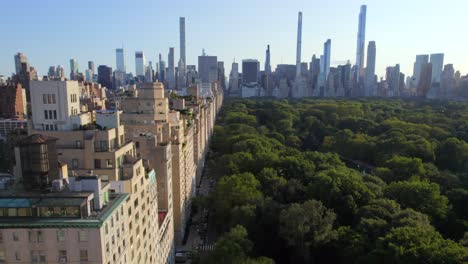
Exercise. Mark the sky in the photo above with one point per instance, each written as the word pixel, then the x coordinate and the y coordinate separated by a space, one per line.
pixel 50 32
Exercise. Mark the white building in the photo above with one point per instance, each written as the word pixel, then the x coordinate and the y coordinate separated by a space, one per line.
pixel 53 103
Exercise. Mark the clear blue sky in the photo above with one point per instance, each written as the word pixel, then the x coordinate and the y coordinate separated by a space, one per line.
pixel 50 32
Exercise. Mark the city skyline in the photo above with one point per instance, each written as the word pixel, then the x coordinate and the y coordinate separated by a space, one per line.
pixel 395 46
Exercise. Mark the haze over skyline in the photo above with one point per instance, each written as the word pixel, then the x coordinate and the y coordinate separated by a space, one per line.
pixel 50 32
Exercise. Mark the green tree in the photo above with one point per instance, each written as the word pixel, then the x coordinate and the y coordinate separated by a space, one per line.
pixel 307 226
pixel 421 196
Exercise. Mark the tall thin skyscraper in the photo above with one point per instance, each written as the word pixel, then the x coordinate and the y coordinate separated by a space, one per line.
pixel 326 58
pixel 361 39
pixel 370 69
pixel 19 58
pixel 437 61
pixel 299 44
pixel 73 69
pixel 267 61
pixel 139 63
pixel 120 60
pixel 162 69
pixel 182 40
pixel 171 69
pixel 91 67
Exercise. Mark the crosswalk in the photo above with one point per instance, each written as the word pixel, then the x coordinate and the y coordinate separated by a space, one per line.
pixel 206 247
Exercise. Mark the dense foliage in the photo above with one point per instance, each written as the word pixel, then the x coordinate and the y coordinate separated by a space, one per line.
pixel 341 181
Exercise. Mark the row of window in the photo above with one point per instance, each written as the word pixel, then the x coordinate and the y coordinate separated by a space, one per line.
pixel 51 114
pixel 39 236
pixel 40 257
pixel 48 98
pixel 73 98
pixel 50 127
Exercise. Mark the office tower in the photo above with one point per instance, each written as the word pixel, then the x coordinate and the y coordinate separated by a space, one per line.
pixel 394 81
pixel 437 61
pixel 314 69
pixel 19 58
pixel 207 68
pixel 149 73
pixel 73 69
pixel 420 61
pixel 88 76
pixel 267 61
pixel 361 39
pixel 447 84
pixel 91 67
pixel 171 69
pixel 370 70
pixel 105 76
pixel 234 79
pixel 424 80
pixel 120 60
pixel 140 64
pixel 53 103
pixel 60 72
pixel 250 71
pixel 192 75
pixel 326 58
pixel 181 75
pixel 182 40
pixel 221 75
pixel 52 72
pixel 162 69
pixel 299 45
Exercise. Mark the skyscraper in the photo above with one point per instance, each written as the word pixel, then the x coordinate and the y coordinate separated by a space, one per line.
pixel 162 69
pixel 234 79
pixel 207 68
pixel 370 69
pixel 437 61
pixel 139 63
pixel 120 60
pixel 420 61
pixel 299 45
pixel 171 69
pixel 250 71
pixel 182 39
pixel 361 38
pixel 267 61
pixel 326 58
pixel 19 58
pixel 73 69
pixel 105 76
pixel 91 66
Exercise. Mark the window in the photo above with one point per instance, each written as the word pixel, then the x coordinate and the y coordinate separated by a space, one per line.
pixel 15 236
pixel 60 235
pixel 107 247
pixel 53 99
pixel 40 236
pixel 17 256
pixel 74 163
pixel 78 144
pixel 83 255
pixel 137 144
pixel 47 127
pixel 50 115
pixel 1 237
pixel 97 163
pixel 109 163
pixel 83 235
pixel 42 257
pixel 44 98
pixel 62 256
pixel 46 116
pixel 30 236
pixel 106 229
pixel 55 114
